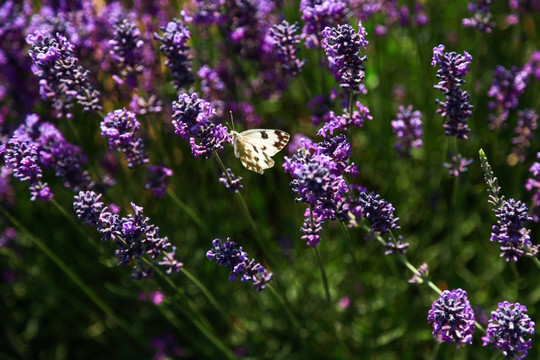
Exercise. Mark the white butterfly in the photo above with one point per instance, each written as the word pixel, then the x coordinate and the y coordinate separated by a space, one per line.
pixel 256 147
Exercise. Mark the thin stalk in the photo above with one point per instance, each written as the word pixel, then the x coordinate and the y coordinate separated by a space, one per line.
pixel 206 293
pixel 76 279
pixel 189 212
pixel 286 306
pixel 323 274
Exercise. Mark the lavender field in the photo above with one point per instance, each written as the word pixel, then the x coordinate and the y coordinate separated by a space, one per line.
pixel 314 179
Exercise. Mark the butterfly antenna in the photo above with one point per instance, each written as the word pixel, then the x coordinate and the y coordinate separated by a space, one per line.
pixel 232 119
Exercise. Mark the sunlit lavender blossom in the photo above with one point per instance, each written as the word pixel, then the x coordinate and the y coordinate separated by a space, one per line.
pixel 120 127
pixel 286 41
pixel 398 247
pixel 61 78
pixel 298 141
pixel 342 45
pixel 226 254
pixel 421 275
pixel 408 128
pixel 340 150
pixel 345 121
pixel 507 87
pixel 126 50
pixel 192 120
pixel 532 67
pixel 458 164
pixel 311 229
pixel 533 184
pixel 452 317
pixel 456 107
pixel 174 39
pixel 508 330
pixel 481 16
pixel 230 181
pixel 319 14
pixel 527 123
pixel 379 212
pixel 510 232
pixel 158 180
pixel 88 206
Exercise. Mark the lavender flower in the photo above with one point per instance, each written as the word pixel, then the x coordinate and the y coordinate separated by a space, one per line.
pixel 227 255
pixel 507 87
pixel 120 127
pixel 398 247
pixel 533 183
pixel 524 132
pixel 452 317
pixel 345 121
pixel 230 181
pixel 319 14
pixel 126 50
pixel 481 16
pixel 342 46
pixel 158 180
pixel 379 212
pixel 208 12
pixel 458 164
pixel 510 232
pixel 508 330
pixel 88 206
pixel 421 275
pixel 175 36
pixel 192 120
pixel 311 229
pixel 142 106
pixel 61 78
pixel 455 107
pixel 286 42
pixel 408 128
pixel 532 67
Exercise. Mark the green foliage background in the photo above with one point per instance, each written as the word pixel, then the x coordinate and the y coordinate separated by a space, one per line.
pixel 48 315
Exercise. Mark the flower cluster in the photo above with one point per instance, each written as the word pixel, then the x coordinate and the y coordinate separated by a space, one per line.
pixel 342 45
pixel 286 42
pixel 456 107
pixel 458 164
pixel 192 119
pixel 533 183
pixel 532 67
pixel 319 14
pixel 61 78
pixel 452 317
pixel 345 121
pixel 174 38
pixel 393 14
pixel 408 128
pixel 230 181
pixel 120 127
pixel 226 254
pixel 508 330
pixel 481 16
pixel 527 123
pixel 133 235
pixel 510 232
pixel 379 212
pixel 126 50
pixel 421 275
pixel 158 180
pixel 397 247
pixel 507 87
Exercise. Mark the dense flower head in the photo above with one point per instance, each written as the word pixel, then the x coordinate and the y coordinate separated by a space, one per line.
pixel 507 87
pixel 88 206
pixel 158 180
pixel 61 78
pixel 458 164
pixel 508 330
pixel 192 120
pixel 286 40
pixel 455 107
pixel 379 212
pixel 452 317
pixel 226 254
pixel 345 121
pixel 510 232
pixel 120 127
pixel 340 150
pixel 527 123
pixel 408 129
pixel 230 181
pixel 481 16
pixel 533 184
pixel 342 45
pixel 126 49
pixel 21 158
pixel 319 14
pixel 174 39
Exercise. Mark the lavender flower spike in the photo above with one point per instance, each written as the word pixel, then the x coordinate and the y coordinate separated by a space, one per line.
pixel 408 128
pixel 126 50
pixel 508 330
pixel 286 42
pixel 230 181
pixel 379 212
pixel 452 317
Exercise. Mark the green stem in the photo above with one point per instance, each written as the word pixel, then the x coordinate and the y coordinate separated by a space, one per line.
pixel 76 279
pixel 185 208
pixel 536 261
pixel 206 293
pixel 323 274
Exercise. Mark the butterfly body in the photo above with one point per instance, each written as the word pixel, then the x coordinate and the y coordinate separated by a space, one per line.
pixel 256 147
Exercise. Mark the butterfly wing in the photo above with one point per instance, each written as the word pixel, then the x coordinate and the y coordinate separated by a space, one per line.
pixel 256 147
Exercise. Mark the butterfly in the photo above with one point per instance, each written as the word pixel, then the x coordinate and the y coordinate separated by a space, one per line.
pixel 256 147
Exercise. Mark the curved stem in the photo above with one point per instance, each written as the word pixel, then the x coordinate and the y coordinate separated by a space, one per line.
pixel 189 212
